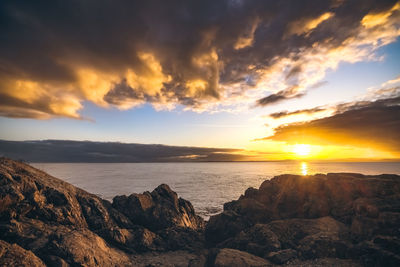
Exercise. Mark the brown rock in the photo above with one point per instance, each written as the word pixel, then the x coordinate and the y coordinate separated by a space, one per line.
pixel 231 257
pixel 159 209
pixel 342 196
pixel 282 256
pixel 225 225
pixel 258 240
pixel 64 225
pixel 87 249
pixel 14 255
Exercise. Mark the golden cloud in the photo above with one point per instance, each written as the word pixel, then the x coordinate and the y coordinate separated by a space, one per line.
pixel 215 57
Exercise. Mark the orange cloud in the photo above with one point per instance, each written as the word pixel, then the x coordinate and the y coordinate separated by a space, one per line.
pixel 306 25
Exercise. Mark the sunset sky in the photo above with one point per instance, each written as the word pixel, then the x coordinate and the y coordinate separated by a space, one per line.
pixel 276 79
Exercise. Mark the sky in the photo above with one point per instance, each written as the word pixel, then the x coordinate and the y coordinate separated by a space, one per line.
pixel 277 79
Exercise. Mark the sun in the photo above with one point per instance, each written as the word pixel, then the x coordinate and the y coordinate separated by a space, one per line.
pixel 302 150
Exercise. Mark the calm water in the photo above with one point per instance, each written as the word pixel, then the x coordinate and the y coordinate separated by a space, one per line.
pixel 207 185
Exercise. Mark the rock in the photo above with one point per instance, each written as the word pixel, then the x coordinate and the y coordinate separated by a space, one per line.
pixel 225 225
pixel 313 238
pixel 200 261
pixel 320 220
pixel 371 254
pixel 388 243
pixel 319 216
pixel 136 239
pixel 292 231
pixel 258 240
pixel 63 225
pixel 175 238
pixel 14 255
pixel 282 256
pixel 159 209
pixel 231 257
pixel 177 258
pixel 85 248
pixel 323 246
pixel 365 228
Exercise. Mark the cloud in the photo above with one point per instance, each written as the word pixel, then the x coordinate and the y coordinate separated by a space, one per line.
pixel 206 55
pixel 85 151
pixel 386 90
pixel 306 25
pixel 281 114
pixel 292 92
pixel 374 124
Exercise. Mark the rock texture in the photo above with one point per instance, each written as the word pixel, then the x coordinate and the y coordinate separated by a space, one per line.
pixel 14 255
pixel 321 220
pixel 230 257
pixel 342 215
pixel 44 220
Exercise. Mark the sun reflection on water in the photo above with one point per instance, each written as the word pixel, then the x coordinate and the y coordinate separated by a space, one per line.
pixel 304 168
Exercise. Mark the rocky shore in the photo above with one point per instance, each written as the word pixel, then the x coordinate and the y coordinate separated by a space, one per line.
pixel 322 220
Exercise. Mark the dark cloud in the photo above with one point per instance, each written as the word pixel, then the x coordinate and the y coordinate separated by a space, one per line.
pixel 85 151
pixel 64 52
pixel 366 124
pixel 280 96
pixel 281 114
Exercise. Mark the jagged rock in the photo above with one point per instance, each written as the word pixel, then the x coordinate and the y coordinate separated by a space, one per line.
pixel 159 209
pixel 298 220
pixel 225 225
pixel 319 216
pixel 64 225
pixel 14 255
pixel 231 257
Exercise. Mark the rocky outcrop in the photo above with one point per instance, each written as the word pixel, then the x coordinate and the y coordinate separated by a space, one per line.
pixel 320 220
pixel 159 209
pixel 343 215
pixel 44 220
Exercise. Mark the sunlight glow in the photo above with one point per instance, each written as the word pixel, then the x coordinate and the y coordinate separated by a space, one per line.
pixel 302 149
pixel 304 168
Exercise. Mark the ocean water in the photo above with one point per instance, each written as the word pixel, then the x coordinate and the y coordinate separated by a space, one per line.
pixel 206 185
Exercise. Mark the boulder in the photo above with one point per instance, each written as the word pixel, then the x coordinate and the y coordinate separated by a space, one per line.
pixel 159 209
pixel 84 248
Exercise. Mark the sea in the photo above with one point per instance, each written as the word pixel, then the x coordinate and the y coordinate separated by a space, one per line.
pixel 206 185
